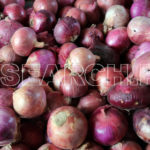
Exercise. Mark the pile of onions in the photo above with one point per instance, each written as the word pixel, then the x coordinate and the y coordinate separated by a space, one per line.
pixel 48 147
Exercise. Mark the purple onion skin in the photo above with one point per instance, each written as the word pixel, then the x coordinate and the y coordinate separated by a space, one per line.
pixel 141 123
pixel 140 8
pixel 67 29
pixel 65 2
pixel 108 125
pixel 8 126
pixel 129 96
pixel 3 3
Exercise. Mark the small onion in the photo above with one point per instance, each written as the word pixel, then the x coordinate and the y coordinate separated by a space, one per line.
pixel 32 101
pixel 67 29
pixel 141 123
pixel 24 40
pixel 68 120
pixel 48 147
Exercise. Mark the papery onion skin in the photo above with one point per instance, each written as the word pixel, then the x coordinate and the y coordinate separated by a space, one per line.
pixel 64 11
pixel 6 2
pixel 108 125
pixel 67 29
pixel 62 119
pixel 64 52
pixel 73 86
pixel 58 77
pixel 41 63
pixel 141 123
pixel 27 97
pixel 48 147
pixel 106 78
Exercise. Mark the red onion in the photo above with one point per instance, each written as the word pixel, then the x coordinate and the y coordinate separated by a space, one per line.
pixel 48 5
pixel 90 8
pixel 58 77
pixel 141 123
pixel 8 126
pixel 108 125
pixel 64 11
pixel 41 63
pixel 118 39
pixel 90 102
pixel 138 29
pixel 15 12
pixel 64 52
pixel 126 69
pixel 105 5
pixel 111 21
pixel 48 147
pixel 7 54
pixel 89 35
pixel 78 14
pixel 7 29
pixel 6 2
pixel 15 147
pixel 100 26
pixel 42 20
pixel 128 145
pixel 24 40
pixel 32 101
pixel 81 60
pixel 67 29
pixel 140 8
pixel 148 147
pixel 70 121
pixel 65 2
pixel 131 53
pixel 73 86
pixel 32 134
pixel 107 77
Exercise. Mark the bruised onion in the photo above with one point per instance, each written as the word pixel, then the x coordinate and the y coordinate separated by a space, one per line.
pixel 118 39
pixel 73 86
pixel 78 14
pixel 111 21
pixel 90 102
pixel 48 147
pixel 64 52
pixel 8 126
pixel 24 40
pixel 141 123
pixel 7 29
pixel 15 12
pixel 107 77
pixel 89 35
pixel 108 125
pixel 58 77
pixel 68 120
pixel 67 29
pixel 81 60
pixel 32 101
pixel 65 2
pixel 48 5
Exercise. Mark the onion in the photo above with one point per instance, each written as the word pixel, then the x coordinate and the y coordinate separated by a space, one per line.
pixel 118 39
pixel 58 77
pixel 65 2
pixel 32 101
pixel 126 69
pixel 90 8
pixel 8 55
pixel 15 12
pixel 42 20
pixel 6 2
pixel 107 77
pixel 128 145
pixel 24 40
pixel 41 63
pixel 108 125
pixel 15 147
pixel 141 123
pixel 90 102
pixel 70 121
pixel 77 14
pixel 64 11
pixel 81 60
pixel 138 29
pixel 64 52
pixel 89 35
pixel 148 147
pixel 7 29
pixel 105 5
pixel 8 126
pixel 111 21
pixel 140 8
pixel 48 5
pixel 100 26
pixel 73 86
pixel 67 29
pixel 48 147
